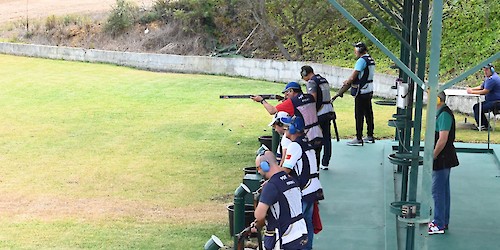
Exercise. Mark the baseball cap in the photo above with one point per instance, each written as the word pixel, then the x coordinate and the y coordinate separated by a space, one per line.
pixel 278 116
pixel 291 85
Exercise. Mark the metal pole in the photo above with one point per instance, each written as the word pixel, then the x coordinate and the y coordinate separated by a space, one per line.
pixel 437 26
pixel 376 42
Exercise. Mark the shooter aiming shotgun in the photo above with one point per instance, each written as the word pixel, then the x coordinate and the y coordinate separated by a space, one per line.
pixel 279 98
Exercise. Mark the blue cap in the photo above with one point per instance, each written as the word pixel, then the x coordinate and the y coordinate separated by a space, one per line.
pixel 291 85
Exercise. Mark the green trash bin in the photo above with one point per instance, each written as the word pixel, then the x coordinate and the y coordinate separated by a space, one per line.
pixel 252 181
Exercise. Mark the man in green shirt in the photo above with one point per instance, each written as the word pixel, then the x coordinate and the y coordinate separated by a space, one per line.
pixel 445 157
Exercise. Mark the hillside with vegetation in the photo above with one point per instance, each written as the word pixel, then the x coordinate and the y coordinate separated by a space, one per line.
pixel 281 29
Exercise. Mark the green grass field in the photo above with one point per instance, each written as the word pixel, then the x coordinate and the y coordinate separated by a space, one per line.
pixel 101 156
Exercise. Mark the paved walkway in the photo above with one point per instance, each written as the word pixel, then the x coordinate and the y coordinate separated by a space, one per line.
pixel 360 185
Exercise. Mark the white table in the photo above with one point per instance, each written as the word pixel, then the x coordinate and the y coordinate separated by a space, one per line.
pixel 463 92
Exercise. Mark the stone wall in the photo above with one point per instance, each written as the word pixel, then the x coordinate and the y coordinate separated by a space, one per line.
pixel 270 70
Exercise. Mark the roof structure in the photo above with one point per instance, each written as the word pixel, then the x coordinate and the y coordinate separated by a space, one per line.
pixel 412 17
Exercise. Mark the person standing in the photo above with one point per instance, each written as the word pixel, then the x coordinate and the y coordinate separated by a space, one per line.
pixel 361 84
pixel 300 162
pixel 445 158
pixel 279 207
pixel 319 87
pixel 491 89
pixel 299 104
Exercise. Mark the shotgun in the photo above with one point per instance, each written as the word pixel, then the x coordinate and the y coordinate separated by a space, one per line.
pixel 269 97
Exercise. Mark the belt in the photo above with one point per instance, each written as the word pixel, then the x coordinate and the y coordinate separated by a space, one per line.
pixel 269 233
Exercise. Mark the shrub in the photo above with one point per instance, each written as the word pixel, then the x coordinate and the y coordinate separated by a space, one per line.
pixel 50 22
pixel 121 17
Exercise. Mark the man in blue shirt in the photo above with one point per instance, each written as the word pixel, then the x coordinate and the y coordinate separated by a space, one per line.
pixel 491 89
pixel 280 207
pixel 361 84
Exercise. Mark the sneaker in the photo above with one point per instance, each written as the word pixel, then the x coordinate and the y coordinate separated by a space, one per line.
pixel 324 167
pixel 446 227
pixel 369 139
pixel 482 128
pixel 434 229
pixel 355 142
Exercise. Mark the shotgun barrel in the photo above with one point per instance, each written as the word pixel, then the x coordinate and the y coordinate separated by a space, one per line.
pixel 265 96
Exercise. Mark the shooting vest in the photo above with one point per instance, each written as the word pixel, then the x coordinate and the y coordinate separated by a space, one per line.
pixel 324 103
pixel 305 107
pixel 286 213
pixel 364 85
pixel 306 171
pixel 448 156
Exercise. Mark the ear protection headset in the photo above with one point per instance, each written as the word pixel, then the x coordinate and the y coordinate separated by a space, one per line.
pixel 264 164
pixel 491 68
pixel 305 70
pixel 303 73
pixel 441 97
pixel 296 125
pixel 360 47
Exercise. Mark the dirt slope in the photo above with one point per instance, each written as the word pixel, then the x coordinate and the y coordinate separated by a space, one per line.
pixel 11 10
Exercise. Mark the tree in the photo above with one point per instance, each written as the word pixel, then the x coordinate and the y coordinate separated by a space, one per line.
pixel 260 15
pixel 299 18
pixel 291 20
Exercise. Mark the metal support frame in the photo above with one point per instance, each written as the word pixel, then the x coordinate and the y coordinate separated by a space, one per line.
pixel 388 26
pixel 377 43
pixel 470 71
pixel 412 58
pixel 388 11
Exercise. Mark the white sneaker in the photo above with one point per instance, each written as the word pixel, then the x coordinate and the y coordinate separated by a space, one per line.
pixel 434 229
pixel 355 142
pixel 324 167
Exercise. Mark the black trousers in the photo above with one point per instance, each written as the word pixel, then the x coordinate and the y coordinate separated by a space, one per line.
pixel 363 109
pixel 325 122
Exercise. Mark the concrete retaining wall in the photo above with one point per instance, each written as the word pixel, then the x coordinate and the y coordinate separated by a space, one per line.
pixel 270 70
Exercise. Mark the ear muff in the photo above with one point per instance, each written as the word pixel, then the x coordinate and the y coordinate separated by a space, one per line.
pixel 303 73
pixel 305 70
pixel 490 66
pixel 264 165
pixel 360 47
pixel 441 98
pixel 291 129
pixel 296 125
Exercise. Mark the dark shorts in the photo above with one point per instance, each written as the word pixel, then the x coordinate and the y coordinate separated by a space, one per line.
pixel 300 243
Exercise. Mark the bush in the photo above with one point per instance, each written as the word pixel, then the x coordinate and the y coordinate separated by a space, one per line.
pixel 195 15
pixel 122 17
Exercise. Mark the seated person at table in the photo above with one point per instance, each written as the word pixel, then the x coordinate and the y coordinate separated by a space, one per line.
pixel 491 89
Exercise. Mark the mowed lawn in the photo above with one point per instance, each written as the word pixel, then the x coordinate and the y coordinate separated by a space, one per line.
pixel 101 156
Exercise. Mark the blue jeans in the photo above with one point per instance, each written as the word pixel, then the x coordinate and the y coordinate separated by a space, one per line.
pixel 307 212
pixel 441 196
